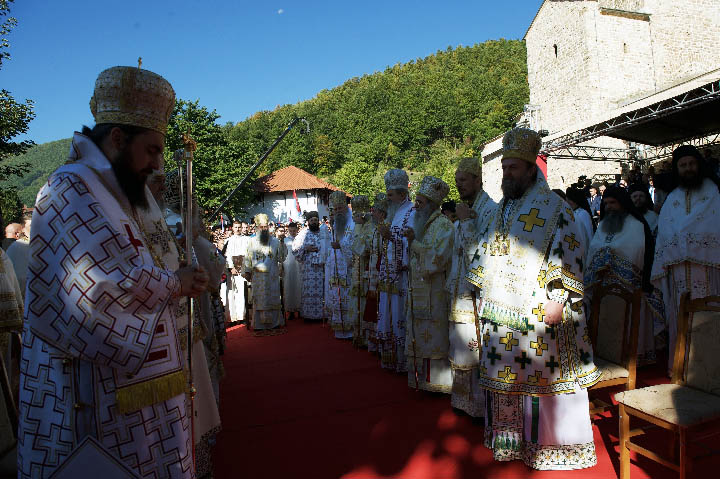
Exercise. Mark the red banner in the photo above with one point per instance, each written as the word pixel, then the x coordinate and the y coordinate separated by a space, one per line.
pixel 297 203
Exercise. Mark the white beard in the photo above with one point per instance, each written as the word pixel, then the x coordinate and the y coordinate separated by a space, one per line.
pixel 420 220
pixel 392 209
pixel 340 221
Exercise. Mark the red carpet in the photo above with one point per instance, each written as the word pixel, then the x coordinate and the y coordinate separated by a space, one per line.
pixel 305 405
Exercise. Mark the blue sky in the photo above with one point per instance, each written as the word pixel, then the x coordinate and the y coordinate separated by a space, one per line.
pixel 236 57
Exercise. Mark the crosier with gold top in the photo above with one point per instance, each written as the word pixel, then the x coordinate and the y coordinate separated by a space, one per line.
pixel 190 147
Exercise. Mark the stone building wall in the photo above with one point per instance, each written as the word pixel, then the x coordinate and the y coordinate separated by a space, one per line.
pixel 561 70
pixel 588 57
pixel 686 39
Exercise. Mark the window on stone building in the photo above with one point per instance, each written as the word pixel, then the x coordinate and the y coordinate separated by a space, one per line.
pixel 625 48
pixel 555 48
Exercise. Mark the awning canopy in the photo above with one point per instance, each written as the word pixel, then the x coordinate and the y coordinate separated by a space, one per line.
pixel 683 112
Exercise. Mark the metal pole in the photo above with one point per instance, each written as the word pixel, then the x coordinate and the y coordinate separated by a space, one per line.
pixel 337 279
pixel 412 321
pixel 188 227
pixel 259 162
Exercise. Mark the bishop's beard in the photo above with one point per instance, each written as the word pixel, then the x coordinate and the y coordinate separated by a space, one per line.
pixel 340 221
pixel 613 222
pixel 392 209
pixel 690 182
pixel 314 227
pixel 513 189
pixel 264 237
pixel 420 219
pixel 131 183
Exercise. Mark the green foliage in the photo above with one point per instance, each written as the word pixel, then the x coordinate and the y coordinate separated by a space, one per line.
pixel 11 207
pixel 422 116
pixel 43 159
pixel 219 162
pixel 14 119
pixel 357 178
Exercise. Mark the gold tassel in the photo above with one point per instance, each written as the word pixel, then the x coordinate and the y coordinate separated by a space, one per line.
pixel 137 396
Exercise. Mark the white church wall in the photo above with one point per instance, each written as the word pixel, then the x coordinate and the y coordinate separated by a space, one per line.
pixel 281 208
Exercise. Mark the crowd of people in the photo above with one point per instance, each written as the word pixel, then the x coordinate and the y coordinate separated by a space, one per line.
pixel 485 301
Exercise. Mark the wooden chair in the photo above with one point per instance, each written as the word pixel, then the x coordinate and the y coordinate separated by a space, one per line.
pixel 614 339
pixel 690 405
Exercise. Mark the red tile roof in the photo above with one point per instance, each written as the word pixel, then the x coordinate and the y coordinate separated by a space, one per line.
pixel 291 178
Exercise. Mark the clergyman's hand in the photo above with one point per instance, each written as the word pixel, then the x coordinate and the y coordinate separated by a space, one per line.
pixel 193 280
pixel 463 211
pixel 553 313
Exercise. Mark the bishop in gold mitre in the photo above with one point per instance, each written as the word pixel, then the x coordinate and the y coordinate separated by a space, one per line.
pixel 101 343
pixel 536 359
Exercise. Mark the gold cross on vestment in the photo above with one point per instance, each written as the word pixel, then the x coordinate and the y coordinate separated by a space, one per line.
pixel 478 271
pixel 509 341
pixel 507 375
pixel 531 220
pixel 571 241
pixel 486 337
pixel 570 213
pixel 539 346
pixel 539 312
pixel 426 336
pixel 541 278
pixel 537 379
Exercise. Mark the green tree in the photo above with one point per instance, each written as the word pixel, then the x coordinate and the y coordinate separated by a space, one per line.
pixel 356 177
pixel 14 120
pixel 459 97
pixel 324 155
pixel 219 162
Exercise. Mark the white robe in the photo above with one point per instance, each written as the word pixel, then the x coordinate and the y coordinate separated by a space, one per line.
pixel 583 220
pixel 236 246
pixel 337 283
pixel 463 353
pixel 19 254
pixel 312 271
pixel 687 251
pixel 621 257
pixel 536 374
pixel 111 341
pixel 11 313
pixel 292 282
pixel 393 290
pixel 263 262
pixel 427 340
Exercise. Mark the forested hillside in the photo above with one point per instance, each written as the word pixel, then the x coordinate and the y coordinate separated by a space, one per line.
pixel 423 116
pixel 42 159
